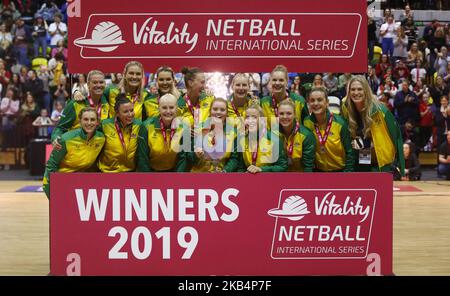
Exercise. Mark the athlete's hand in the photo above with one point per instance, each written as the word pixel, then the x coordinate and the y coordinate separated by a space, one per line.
pixel 254 169
pixel 56 145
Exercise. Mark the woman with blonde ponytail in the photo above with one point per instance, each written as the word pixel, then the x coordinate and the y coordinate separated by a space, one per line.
pixel 376 136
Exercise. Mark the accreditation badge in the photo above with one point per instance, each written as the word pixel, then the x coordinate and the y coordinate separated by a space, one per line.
pixel 365 156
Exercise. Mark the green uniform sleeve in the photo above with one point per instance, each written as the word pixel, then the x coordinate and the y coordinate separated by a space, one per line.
pixel 396 137
pixel 143 151
pixel 308 151
pixel 181 162
pixel 68 117
pixel 53 165
pixel 346 143
pixel 281 165
pixel 305 112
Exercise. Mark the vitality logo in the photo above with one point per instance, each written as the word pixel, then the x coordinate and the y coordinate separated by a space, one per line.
pixel 323 223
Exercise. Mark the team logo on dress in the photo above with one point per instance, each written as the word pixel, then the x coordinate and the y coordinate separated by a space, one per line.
pixel 105 37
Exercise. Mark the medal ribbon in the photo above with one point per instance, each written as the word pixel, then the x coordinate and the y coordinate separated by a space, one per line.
pixel 274 104
pixel 191 108
pixel 119 132
pixel 164 134
pixel 323 139
pixel 291 145
pixel 99 107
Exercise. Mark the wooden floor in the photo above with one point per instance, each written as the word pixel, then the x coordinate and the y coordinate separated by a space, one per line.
pixel 421 230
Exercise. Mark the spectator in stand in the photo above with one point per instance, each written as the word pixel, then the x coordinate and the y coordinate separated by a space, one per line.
pixel 59 49
pixel 406 14
pixel 23 74
pixel 44 75
pixel 56 114
pixel 387 86
pixel 406 104
pixel 342 84
pixel 382 66
pixel 418 73
pixel 36 87
pixel 400 45
pixel 410 134
pixel 442 61
pixel 318 81
pixel 385 99
pixel 43 122
pixel 17 85
pixel 410 31
pixel 442 120
pixel 116 78
pixel 371 37
pixel 331 84
pixel 6 38
pixel 62 91
pixel 446 77
pixel 414 54
pixel 5 76
pixel 426 119
pixel 40 36
pixel 57 30
pixel 21 33
pixel 387 32
pixel 444 158
pixel 255 83
pixel 438 90
pixel 420 88
pixel 29 110
pixel 437 41
pixel 9 110
pixel 412 165
pixel 48 10
pixel 81 85
pixel 428 31
pixel 401 71
pixel 372 79
pixel 297 87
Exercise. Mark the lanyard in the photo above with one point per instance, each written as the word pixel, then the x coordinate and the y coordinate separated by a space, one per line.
pixel 99 107
pixel 291 145
pixel 191 108
pixel 135 97
pixel 119 132
pixel 323 139
pixel 164 134
pixel 274 104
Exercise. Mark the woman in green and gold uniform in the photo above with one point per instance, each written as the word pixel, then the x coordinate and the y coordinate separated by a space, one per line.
pixel 279 92
pixel 194 106
pixel 218 150
pixel 333 145
pixel 131 85
pixel 160 140
pixel 376 135
pixel 262 149
pixel 121 133
pixel 79 148
pixel 165 82
pixel 299 142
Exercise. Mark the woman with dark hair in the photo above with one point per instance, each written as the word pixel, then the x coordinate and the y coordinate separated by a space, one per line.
pixel 333 151
pixel 121 133
pixel 80 148
pixel 412 166
pixel 195 104
pixel 165 83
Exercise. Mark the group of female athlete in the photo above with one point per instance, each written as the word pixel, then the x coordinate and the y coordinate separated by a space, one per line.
pixel 124 128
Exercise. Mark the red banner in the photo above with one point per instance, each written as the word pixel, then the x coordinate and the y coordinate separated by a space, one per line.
pixel 221 224
pixel 248 36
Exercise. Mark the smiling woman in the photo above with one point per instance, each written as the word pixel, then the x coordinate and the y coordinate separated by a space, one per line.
pixel 80 148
